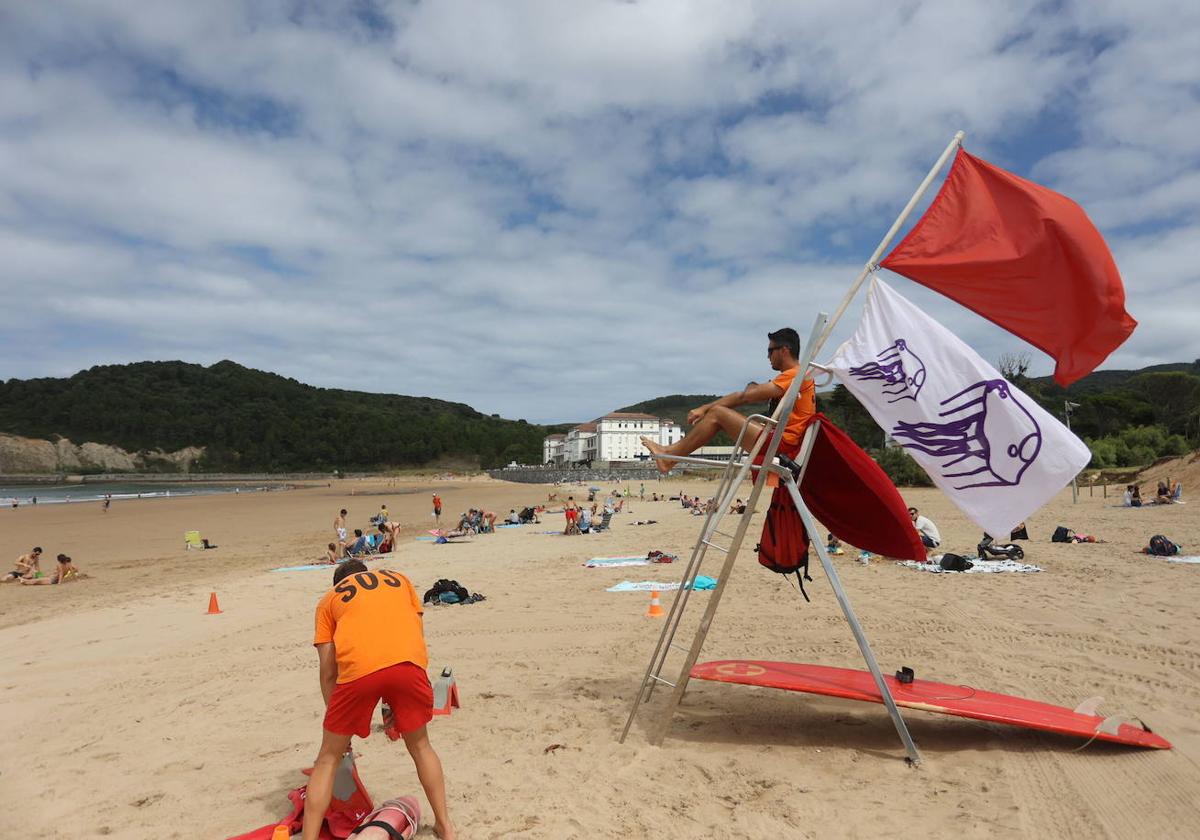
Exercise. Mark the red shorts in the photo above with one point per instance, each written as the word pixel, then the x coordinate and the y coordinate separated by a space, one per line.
pixel 404 687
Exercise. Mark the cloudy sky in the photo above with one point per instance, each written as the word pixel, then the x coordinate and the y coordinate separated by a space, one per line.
pixel 551 209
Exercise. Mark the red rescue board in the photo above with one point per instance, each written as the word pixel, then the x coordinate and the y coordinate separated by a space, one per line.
pixel 926 696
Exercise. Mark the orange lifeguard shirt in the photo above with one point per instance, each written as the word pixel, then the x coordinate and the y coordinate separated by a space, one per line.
pixel 802 411
pixel 374 622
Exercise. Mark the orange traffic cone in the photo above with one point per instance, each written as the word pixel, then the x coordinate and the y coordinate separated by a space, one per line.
pixel 281 832
pixel 656 610
pixel 213 609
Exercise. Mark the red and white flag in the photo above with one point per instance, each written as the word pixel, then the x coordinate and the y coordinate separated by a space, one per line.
pixel 1026 258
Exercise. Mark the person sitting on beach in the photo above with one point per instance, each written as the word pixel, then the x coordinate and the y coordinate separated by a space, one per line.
pixel 783 352
pixel 370 647
pixel 513 517
pixel 358 546
pixel 529 515
pixel 833 545
pixel 1177 493
pixel 331 554
pixel 1135 498
pixel 28 566
pixel 585 521
pixel 65 573
pixel 930 537
pixel 738 507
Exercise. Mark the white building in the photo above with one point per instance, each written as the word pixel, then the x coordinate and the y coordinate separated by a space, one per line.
pixel 552 449
pixel 613 437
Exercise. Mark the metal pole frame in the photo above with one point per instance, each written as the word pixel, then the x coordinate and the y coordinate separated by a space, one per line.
pixel 810 525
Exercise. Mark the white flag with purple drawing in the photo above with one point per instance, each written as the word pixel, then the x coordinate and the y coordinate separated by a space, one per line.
pixel 995 452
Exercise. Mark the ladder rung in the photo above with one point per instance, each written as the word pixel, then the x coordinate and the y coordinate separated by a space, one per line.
pixel 722 533
pixel 661 680
pixel 714 545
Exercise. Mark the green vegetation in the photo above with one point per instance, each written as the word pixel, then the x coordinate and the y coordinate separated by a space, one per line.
pixel 250 421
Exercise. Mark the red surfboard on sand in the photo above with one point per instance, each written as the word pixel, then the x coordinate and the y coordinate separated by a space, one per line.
pixel 926 696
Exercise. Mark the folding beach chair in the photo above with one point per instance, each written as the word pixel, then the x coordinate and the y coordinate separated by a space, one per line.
pixel 191 539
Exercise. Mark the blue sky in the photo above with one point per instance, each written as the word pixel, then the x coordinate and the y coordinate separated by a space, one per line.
pixel 551 209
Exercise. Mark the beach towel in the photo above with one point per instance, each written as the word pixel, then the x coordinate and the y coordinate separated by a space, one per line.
pixel 603 562
pixel 305 568
pixel 1192 559
pixel 509 525
pixel 703 582
pixel 980 567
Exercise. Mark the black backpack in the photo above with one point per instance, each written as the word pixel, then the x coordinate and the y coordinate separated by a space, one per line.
pixel 955 563
pixel 1160 546
pixel 1061 534
pixel 443 585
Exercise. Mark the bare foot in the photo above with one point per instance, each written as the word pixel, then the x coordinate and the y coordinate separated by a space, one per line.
pixel 657 448
pixel 446 832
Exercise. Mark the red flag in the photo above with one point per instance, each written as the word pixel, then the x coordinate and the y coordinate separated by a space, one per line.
pixel 851 495
pixel 1026 258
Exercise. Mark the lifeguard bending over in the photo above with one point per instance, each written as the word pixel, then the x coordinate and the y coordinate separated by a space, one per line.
pixel 783 351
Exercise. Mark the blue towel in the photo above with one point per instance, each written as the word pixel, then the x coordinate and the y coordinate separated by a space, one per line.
pixel 305 568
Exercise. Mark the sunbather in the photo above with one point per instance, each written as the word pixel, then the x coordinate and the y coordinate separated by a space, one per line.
pixel 27 566
pixel 331 554
pixel 65 573
pixel 783 351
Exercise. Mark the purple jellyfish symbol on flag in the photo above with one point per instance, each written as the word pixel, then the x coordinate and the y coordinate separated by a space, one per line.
pixel 899 368
pixel 987 428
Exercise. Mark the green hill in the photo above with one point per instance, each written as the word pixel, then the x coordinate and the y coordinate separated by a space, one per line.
pixel 676 406
pixel 249 420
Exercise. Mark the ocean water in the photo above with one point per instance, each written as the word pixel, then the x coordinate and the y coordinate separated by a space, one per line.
pixel 57 494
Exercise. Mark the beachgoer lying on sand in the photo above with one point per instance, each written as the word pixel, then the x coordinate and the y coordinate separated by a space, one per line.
pixel 27 566
pixel 65 573
pixel 371 647
pixel 783 351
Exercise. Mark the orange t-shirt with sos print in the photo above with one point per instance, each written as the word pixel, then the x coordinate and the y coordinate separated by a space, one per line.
pixel 802 411
pixel 374 622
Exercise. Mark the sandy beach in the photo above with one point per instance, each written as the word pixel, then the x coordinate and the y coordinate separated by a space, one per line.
pixel 127 712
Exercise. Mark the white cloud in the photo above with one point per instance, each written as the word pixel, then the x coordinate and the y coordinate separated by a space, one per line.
pixel 549 209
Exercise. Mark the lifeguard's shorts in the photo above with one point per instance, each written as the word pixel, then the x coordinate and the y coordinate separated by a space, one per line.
pixel 404 687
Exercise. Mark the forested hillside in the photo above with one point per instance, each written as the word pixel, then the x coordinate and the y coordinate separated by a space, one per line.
pixel 249 420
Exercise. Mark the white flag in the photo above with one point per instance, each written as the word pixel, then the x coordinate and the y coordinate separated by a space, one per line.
pixel 995 452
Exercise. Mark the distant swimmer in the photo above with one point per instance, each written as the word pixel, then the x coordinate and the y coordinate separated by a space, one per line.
pixel 371 647
pixel 783 352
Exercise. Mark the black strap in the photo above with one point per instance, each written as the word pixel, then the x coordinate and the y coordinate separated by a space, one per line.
pixel 392 831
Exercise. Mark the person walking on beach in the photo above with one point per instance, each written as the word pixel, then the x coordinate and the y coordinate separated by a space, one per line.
pixel 437 508
pixel 27 566
pixel 339 526
pixel 371 646
pixel 783 352
pixel 107 502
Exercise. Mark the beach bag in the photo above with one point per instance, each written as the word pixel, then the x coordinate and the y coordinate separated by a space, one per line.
pixel 1160 546
pixel 783 546
pixel 452 587
pixel 1062 534
pixel 955 563
pixel 395 819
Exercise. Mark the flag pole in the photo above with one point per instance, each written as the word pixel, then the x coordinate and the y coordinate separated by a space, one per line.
pixel 873 262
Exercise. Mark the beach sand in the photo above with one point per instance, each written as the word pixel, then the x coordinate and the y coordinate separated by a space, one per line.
pixel 127 712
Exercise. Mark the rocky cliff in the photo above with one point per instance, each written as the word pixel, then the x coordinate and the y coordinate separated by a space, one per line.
pixel 19 455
